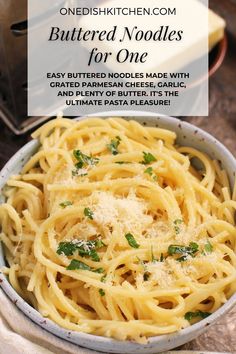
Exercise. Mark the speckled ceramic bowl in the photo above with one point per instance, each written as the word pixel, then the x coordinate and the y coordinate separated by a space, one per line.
pixel 187 135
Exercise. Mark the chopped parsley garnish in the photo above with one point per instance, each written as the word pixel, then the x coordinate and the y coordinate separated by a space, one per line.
pixel 148 158
pixel 190 315
pixel 176 227
pixel 153 258
pixel 177 230
pixel 79 173
pixel 84 248
pixel 98 243
pixel 76 265
pixel 122 162
pixel 131 240
pixel 67 248
pixel 94 256
pixel 103 278
pixel 113 146
pixel 65 204
pixel 162 258
pixel 208 248
pixel 88 212
pixel 101 292
pixel 184 251
pixel 151 173
pixel 98 270
pixel 178 221
pixel 84 160
pixel 146 274
pixel 74 173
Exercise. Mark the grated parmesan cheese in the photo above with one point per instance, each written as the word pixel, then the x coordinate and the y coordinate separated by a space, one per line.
pixel 129 212
pixel 159 229
pixel 161 273
pixel 87 247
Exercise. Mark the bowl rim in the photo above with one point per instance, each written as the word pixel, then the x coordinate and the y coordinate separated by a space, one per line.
pixel 221 48
pixel 81 338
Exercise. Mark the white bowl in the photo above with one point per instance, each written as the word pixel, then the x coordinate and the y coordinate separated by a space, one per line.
pixel 188 135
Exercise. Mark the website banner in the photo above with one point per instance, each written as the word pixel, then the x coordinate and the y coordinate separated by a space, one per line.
pixel 110 55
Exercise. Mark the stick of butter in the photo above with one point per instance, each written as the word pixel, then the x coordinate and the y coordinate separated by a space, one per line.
pixel 216 29
pixel 201 30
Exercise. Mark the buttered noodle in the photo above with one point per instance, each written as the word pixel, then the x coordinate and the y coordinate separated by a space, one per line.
pixel 110 230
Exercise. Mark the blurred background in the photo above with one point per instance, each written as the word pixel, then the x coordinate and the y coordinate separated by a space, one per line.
pixel 221 121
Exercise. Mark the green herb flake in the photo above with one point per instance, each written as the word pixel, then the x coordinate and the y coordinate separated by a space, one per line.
pixel 98 243
pixel 103 278
pixel 98 270
pixel 178 221
pixel 154 259
pixel 74 173
pixel 88 212
pixel 94 256
pixel 182 259
pixel 113 146
pixel 84 160
pixel 78 265
pixel 148 158
pixel 208 247
pixel 194 246
pixel 190 315
pixel 131 240
pixel 75 264
pixel 122 162
pixel 149 171
pixel 78 172
pixel 176 227
pixel 162 258
pixel 65 204
pixel 152 254
pixel 184 251
pixel 177 230
pixel 66 248
pixel 84 248
pixel 101 292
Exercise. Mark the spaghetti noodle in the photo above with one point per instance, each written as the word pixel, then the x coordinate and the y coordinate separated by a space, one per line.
pixel 110 229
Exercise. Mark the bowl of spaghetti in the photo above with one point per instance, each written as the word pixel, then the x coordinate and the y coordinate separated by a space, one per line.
pixel 118 234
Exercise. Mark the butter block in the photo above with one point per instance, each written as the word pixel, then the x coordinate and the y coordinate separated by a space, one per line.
pixel 216 29
pixel 202 30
